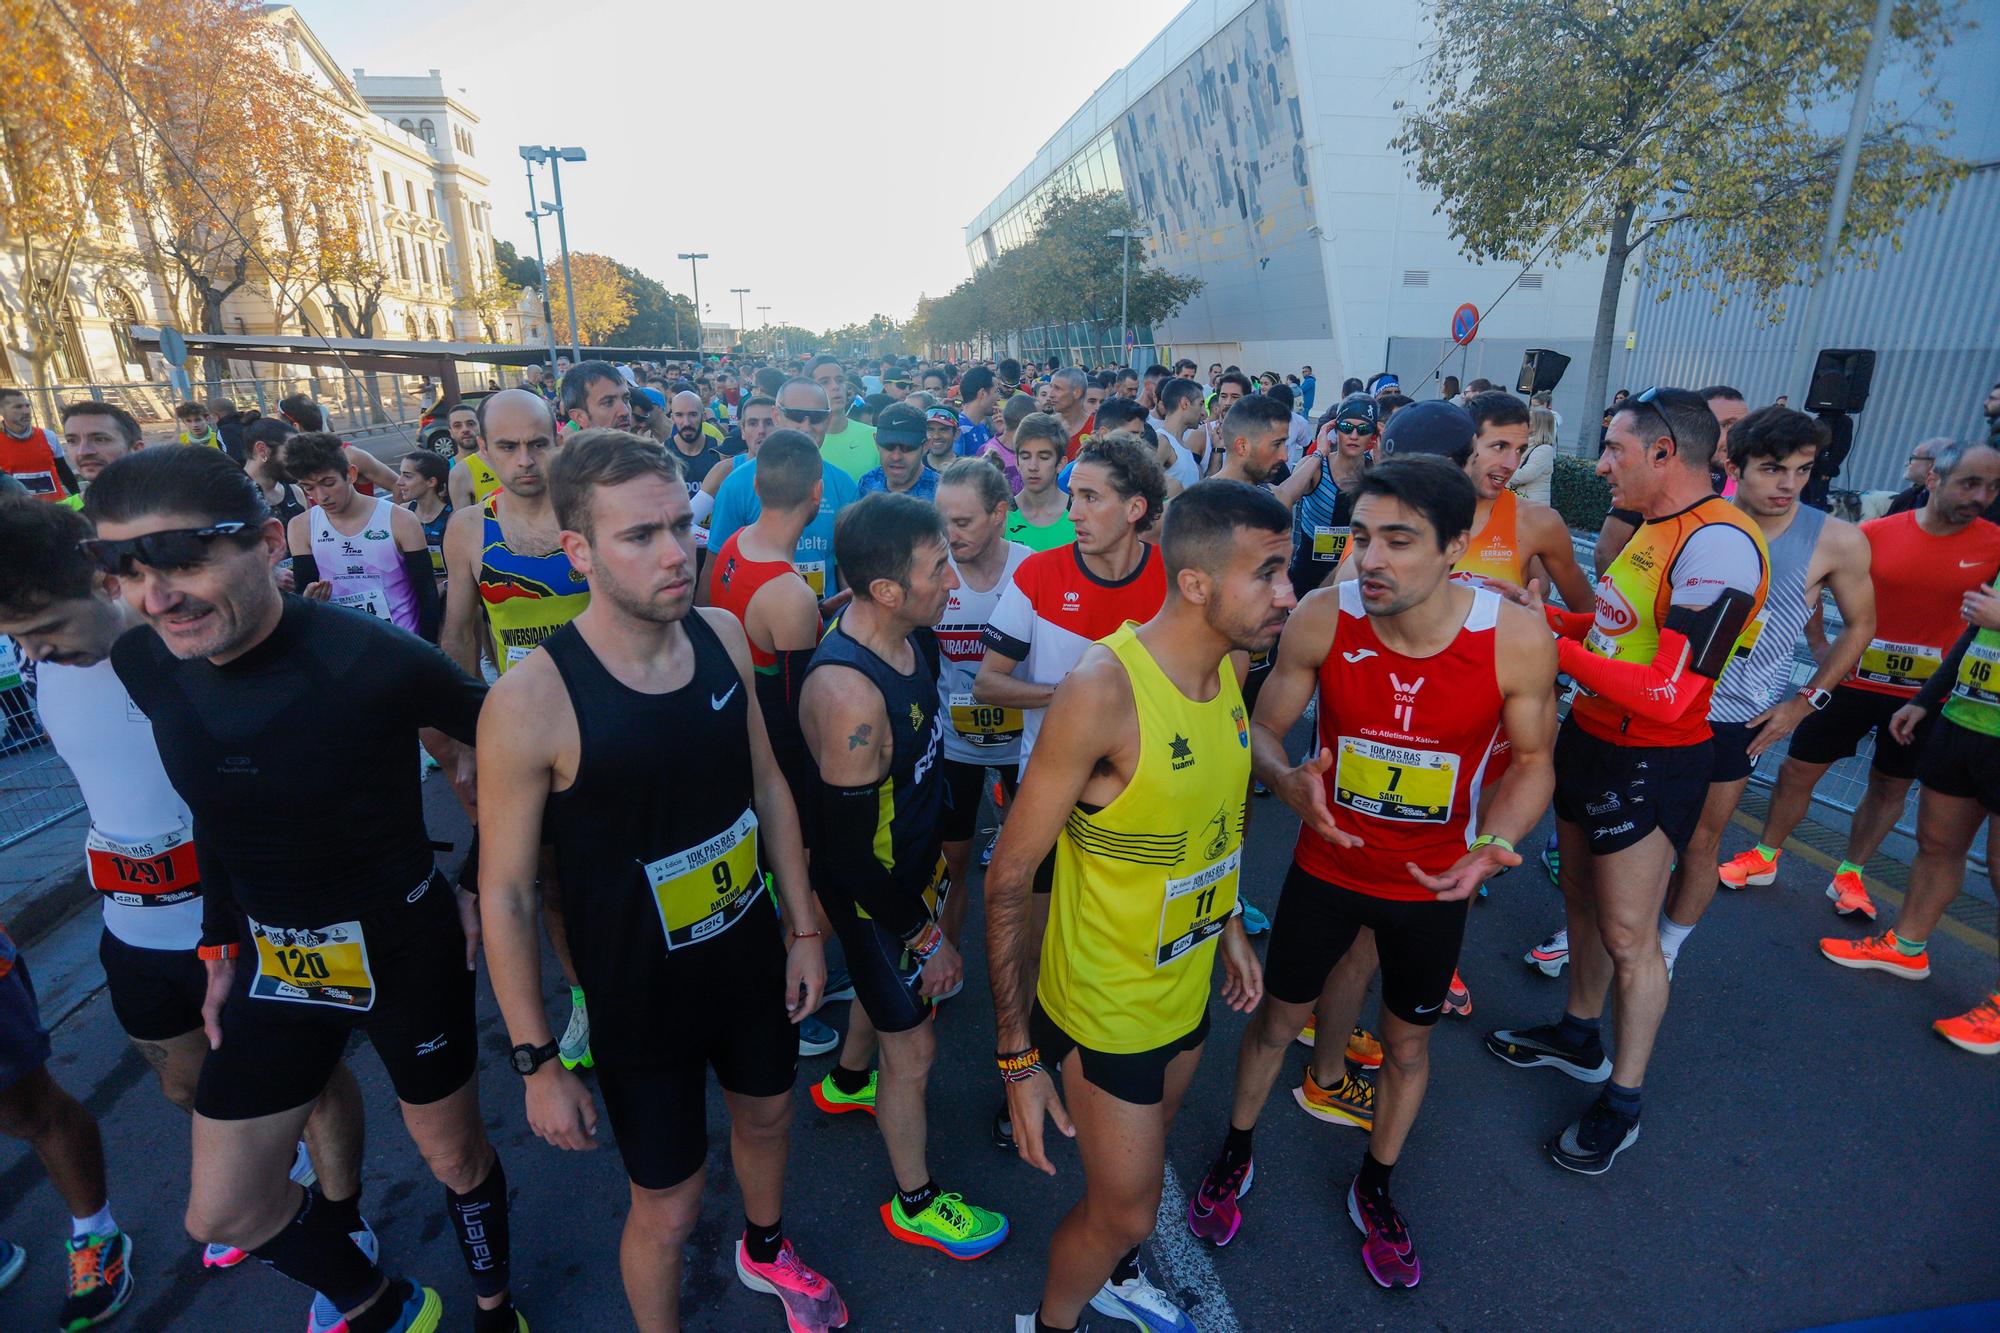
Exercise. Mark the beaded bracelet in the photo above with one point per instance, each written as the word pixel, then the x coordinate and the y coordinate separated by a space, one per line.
pixel 1020 1066
pixel 927 941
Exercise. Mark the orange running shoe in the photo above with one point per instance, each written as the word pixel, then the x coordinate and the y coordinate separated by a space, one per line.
pixel 1877 953
pixel 1364 1049
pixel 1747 868
pixel 1458 1000
pixel 1308 1034
pixel 1977 1030
pixel 1850 895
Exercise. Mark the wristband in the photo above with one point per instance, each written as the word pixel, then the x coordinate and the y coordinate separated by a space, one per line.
pixel 927 941
pixel 1491 840
pixel 805 935
pixel 1021 1065
pixel 216 953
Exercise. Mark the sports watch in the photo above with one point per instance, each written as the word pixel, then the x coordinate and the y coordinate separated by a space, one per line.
pixel 527 1059
pixel 1819 699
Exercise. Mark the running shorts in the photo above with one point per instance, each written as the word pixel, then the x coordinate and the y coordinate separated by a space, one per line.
pixel 886 975
pixel 1731 761
pixel 964 791
pixel 1959 761
pixel 1620 793
pixel 156 993
pixel 1139 1078
pixel 1835 732
pixel 24 1043
pixel 1316 925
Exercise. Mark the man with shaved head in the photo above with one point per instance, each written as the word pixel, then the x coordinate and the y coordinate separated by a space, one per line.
pixel 802 406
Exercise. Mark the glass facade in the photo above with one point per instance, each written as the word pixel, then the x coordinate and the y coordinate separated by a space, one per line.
pixel 1088 172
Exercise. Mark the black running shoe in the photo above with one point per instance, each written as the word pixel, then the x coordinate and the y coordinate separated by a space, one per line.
pixel 1590 1145
pixel 1003 1131
pixel 1525 1048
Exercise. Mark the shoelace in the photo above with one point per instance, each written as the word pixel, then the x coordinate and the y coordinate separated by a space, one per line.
pixel 1217 1190
pixel 791 1265
pixel 1383 1217
pixel 947 1208
pixel 1358 1091
pixel 86 1268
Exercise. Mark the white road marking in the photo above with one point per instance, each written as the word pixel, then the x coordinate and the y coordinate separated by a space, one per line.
pixel 1185 1265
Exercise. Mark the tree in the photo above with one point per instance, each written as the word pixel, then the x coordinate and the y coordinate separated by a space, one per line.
pixel 488 300
pixel 1698 115
pixel 522 272
pixel 659 318
pixel 603 298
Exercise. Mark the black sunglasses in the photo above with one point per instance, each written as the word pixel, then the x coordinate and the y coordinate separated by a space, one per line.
pixel 1651 400
pixel 1353 428
pixel 805 414
pixel 177 548
pixel 901 446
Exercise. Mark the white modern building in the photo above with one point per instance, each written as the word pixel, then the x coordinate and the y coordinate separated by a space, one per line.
pixel 1253 141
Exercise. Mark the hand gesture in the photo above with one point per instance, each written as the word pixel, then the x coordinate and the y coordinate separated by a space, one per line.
pixel 1777 722
pixel 1300 787
pixel 1466 874
pixel 1981 606
pixel 1027 1102
pixel 942 972
pixel 1903 725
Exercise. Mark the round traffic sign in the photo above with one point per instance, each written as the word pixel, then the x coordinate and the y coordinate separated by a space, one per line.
pixel 1464 323
pixel 173 347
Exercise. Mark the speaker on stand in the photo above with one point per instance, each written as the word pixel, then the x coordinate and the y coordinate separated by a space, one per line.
pixel 1541 371
pixel 1841 377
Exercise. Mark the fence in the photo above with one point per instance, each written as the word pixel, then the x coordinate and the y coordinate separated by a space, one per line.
pixel 355 405
pixel 36 788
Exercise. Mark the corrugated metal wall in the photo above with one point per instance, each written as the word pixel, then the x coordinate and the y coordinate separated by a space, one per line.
pixel 1930 311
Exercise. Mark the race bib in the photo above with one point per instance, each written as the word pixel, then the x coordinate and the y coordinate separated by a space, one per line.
pixel 1979 675
pixel 1196 908
pixel 814 573
pixel 150 872
pixel 327 965
pixel 516 652
pixel 984 724
pixel 704 890
pixel 1391 782
pixel 1899 665
pixel 372 600
pixel 1328 542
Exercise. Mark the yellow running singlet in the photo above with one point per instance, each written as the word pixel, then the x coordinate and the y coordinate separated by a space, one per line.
pixel 485 480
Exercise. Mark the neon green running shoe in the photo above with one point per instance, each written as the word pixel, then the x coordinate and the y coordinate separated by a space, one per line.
pixel 829 1098
pixel 962 1230
pixel 574 1047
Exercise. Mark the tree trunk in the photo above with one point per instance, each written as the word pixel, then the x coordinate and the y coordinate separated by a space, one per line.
pixel 214 368
pixel 1597 389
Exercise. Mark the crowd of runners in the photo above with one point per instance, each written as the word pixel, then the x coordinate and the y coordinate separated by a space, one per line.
pixel 725 664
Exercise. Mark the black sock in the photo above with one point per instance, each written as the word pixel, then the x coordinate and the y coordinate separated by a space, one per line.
pixel 383 1314
pixel 1235 1151
pixel 1579 1032
pixel 1625 1101
pixel 916 1200
pixel 1373 1177
pixel 346 1212
pixel 849 1081
pixel 763 1243
pixel 1128 1267
pixel 315 1252
pixel 479 1217
pixel 1044 1326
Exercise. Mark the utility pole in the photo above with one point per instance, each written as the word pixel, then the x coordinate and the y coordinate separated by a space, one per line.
pixel 765 311
pixel 694 266
pixel 1125 236
pixel 742 323
pixel 535 212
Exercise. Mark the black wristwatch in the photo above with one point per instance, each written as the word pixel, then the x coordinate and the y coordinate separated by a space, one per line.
pixel 527 1059
pixel 1819 699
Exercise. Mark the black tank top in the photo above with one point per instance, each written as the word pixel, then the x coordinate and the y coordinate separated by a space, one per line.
pixel 694 467
pixel 912 795
pixel 656 840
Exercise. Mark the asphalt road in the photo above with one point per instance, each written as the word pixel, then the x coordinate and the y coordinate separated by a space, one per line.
pixel 1811 1154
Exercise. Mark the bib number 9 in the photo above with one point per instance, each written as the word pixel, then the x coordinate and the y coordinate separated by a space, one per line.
pixel 704 890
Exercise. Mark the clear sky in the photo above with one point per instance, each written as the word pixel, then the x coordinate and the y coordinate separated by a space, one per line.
pixel 827 155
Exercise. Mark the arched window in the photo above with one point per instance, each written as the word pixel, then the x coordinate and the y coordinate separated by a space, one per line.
pixel 429 130
pixel 431 326
pixel 123 313
pixel 410 325
pixel 405 124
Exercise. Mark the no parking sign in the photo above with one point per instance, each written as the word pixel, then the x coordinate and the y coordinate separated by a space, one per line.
pixel 1464 323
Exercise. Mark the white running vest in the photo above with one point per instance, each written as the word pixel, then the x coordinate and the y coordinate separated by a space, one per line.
pixel 366 570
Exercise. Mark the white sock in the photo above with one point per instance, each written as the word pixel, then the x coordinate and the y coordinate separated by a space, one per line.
pixel 1672 936
pixel 98 1223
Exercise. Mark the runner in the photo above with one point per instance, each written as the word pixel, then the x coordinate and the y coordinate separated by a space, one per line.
pixel 196 425
pixel 1960 771
pixel 262 441
pixel 1320 528
pixel 1634 757
pixel 1139 798
pixel 1066 402
pixel 371 475
pixel 30 454
pixel 1393 812
pixel 1000 449
pixel 1512 538
pixel 358 931
pixel 697 452
pixel 423 481
pixel 754 424
pixel 802 407
pixel 96 435
pixel 594 394
pixel 1922 563
pixel 140 853
pixel 662 874
pixel 370 555
pixel 1771 454
pixel 844 442
pixel 473 479
pixel 1041 519
pixel 900 441
pixel 972 499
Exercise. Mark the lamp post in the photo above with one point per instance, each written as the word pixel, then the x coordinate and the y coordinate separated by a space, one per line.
pixel 694 266
pixel 555 157
pixel 536 211
pixel 1125 236
pixel 742 324
pixel 765 311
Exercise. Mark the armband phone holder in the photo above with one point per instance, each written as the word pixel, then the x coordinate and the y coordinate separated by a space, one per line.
pixel 1712 631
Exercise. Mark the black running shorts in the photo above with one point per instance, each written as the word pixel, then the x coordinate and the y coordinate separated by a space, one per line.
pixel 1835 732
pixel 277 1054
pixel 1317 921
pixel 1731 760
pixel 156 993
pixel 964 793
pixel 1620 793
pixel 886 975
pixel 1139 1077
pixel 1959 761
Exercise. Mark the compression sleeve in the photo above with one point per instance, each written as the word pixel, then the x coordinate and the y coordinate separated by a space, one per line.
pixel 305 571
pixel 1931 697
pixel 218 899
pixel 423 582
pixel 1652 690
pixel 844 853
pixel 445 697
pixel 1568 624
pixel 703 504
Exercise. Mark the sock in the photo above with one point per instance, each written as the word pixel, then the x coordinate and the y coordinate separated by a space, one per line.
pixel 502 1318
pixel 314 1251
pixel 849 1081
pixel 1905 947
pixel 1768 853
pixel 347 1212
pixel 1578 1032
pixel 1847 868
pixel 1128 1267
pixel 576 997
pixel 1044 1326
pixel 99 1223
pixel 763 1243
pixel 1373 1177
pixel 916 1200
pixel 1235 1151
pixel 1623 1100
pixel 479 1217
pixel 383 1314
pixel 1672 935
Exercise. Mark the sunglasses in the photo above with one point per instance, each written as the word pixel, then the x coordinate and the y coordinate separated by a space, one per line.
pixel 899 446
pixel 803 415
pixel 1650 400
pixel 175 549
pixel 1353 428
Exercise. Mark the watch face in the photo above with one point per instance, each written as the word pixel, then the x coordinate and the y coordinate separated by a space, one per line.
pixel 524 1060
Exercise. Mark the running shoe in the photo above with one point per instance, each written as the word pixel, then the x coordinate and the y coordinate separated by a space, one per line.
pixel 839 986
pixel 986 852
pixel 1552 860
pixel 829 1098
pixel 1850 895
pixel 12 1260
pixel 100 1280
pixel 574 1048
pixel 1348 1102
pixel 811 1303
pixel 1976 1030
pixel 962 1230
pixel 1387 1250
pixel 1458 1000
pixel 1212 1212
pixel 1258 789
pixel 1003 1130
pixel 1590 1145
pixel 1527 1048
pixel 325 1316
pixel 1254 921
pixel 1309 1033
pixel 1142 1305
pixel 1751 868
pixel 815 1037
pixel 423 1312
pixel 1364 1050
pixel 1551 956
pixel 1877 953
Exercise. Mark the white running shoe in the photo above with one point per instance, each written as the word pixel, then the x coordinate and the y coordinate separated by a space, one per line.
pixel 1551 956
pixel 1143 1305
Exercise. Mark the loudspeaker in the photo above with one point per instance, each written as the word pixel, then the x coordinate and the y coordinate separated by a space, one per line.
pixel 1840 380
pixel 1541 371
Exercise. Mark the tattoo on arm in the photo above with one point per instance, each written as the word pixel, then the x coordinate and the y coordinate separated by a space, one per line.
pixel 860 736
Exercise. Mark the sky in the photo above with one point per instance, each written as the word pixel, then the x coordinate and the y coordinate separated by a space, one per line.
pixel 825 155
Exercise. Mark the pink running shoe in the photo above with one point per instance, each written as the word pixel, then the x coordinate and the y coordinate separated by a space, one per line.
pixel 811 1303
pixel 1212 1212
pixel 1387 1250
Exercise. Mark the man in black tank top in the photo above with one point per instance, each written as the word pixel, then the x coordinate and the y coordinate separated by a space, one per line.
pixel 869 710
pixel 662 878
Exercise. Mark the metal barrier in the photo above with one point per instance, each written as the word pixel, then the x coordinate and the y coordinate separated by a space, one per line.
pixel 350 402
pixel 36 787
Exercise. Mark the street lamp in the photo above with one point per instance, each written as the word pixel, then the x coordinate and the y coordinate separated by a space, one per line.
pixel 555 157
pixel 742 324
pixel 765 311
pixel 536 212
pixel 694 266
pixel 1125 236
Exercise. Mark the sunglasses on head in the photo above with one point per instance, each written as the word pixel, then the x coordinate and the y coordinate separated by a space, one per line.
pixel 175 549
pixel 1651 401
pixel 802 415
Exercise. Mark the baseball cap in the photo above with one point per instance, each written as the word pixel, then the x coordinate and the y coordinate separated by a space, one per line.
pixel 1430 427
pixel 899 423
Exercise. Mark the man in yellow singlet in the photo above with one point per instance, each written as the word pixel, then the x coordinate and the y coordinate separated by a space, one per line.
pixel 473 479
pixel 1139 784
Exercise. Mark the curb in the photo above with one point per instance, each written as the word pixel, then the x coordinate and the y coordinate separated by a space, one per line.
pixel 46 904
